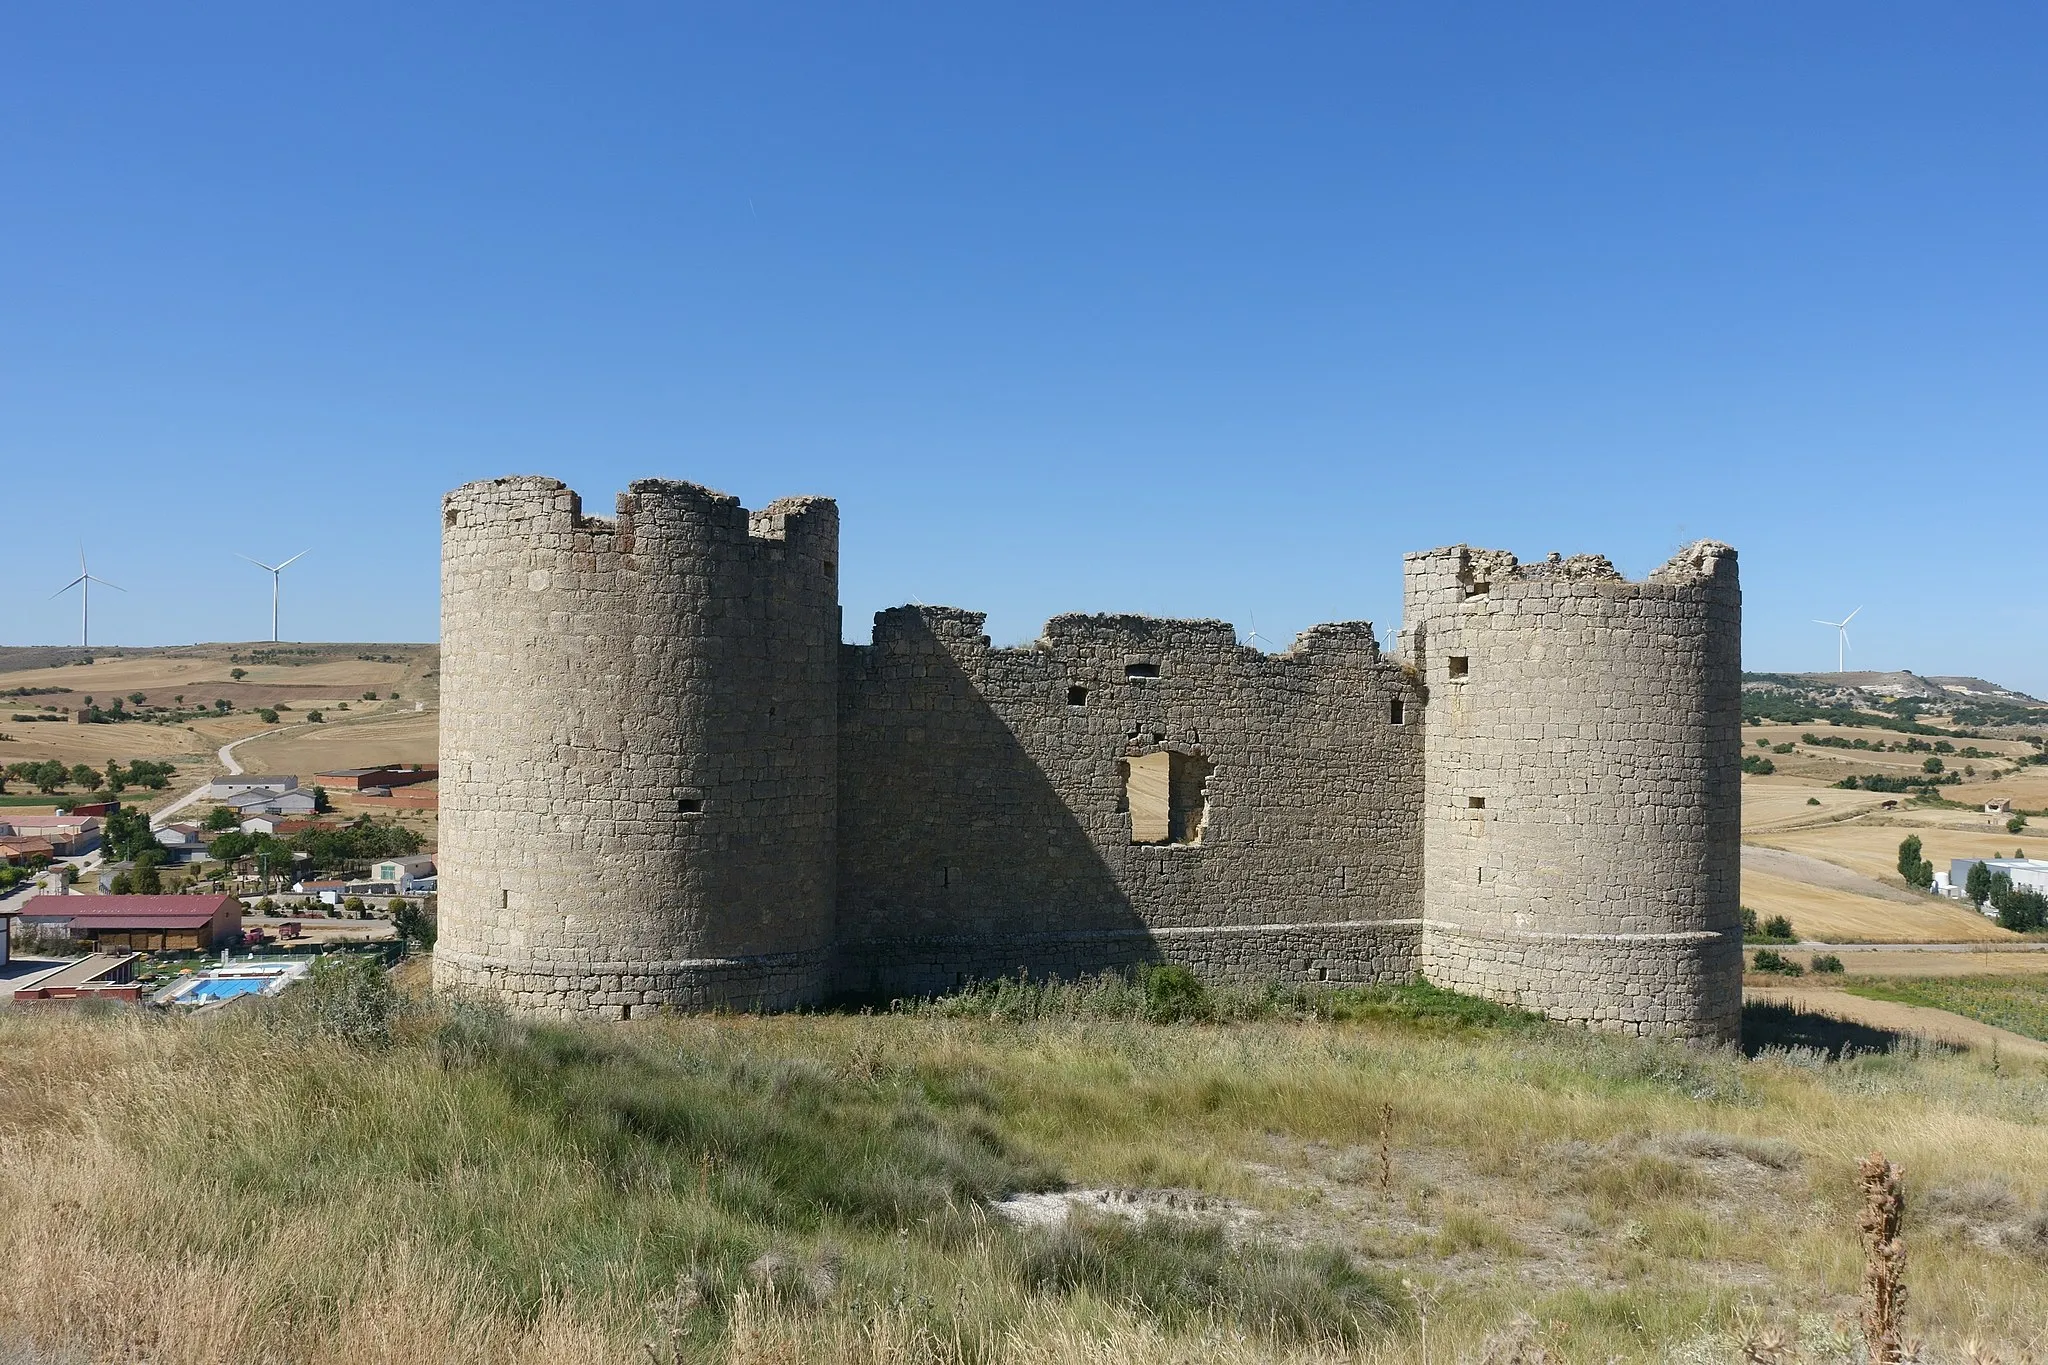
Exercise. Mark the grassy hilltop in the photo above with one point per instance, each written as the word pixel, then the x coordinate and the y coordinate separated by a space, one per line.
pixel 1337 1176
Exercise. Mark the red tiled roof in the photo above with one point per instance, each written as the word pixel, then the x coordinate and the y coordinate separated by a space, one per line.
pixel 112 912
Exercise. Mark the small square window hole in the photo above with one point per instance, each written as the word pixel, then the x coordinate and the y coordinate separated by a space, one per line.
pixel 1077 696
pixel 1460 664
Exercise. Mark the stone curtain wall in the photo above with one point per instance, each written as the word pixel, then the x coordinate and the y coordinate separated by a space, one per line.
pixel 1598 721
pixel 984 828
pixel 638 767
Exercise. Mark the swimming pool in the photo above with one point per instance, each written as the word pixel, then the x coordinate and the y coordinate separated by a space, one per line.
pixel 225 988
pixel 231 981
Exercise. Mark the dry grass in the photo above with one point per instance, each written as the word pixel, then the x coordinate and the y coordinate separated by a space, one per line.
pixel 1819 912
pixel 395 733
pixel 211 1190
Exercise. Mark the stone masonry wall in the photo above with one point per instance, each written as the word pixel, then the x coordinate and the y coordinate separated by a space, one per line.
pixel 983 828
pixel 638 776
pixel 1582 806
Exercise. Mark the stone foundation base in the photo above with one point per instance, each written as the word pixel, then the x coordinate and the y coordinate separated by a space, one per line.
pixel 1686 985
pixel 1347 953
pixel 620 990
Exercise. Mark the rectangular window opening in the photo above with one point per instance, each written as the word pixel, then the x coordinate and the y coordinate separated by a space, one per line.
pixel 1167 797
pixel 691 805
pixel 1397 713
pixel 1141 670
pixel 1478 589
pixel 1461 665
pixel 1475 803
pixel 1077 696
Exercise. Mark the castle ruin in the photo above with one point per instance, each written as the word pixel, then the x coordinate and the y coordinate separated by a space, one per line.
pixel 666 782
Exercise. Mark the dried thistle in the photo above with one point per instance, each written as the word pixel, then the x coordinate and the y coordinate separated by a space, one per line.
pixel 1386 1146
pixel 1884 1259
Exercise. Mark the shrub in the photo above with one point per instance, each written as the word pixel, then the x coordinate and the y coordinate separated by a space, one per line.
pixel 1931 765
pixel 1757 765
pixel 348 997
pixel 1182 1271
pixel 2016 824
pixel 1777 926
pixel 1826 964
pixel 1813 800
pixel 1749 923
pixel 1173 994
pixel 1775 963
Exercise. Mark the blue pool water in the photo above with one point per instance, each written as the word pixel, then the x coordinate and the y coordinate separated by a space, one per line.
pixel 226 988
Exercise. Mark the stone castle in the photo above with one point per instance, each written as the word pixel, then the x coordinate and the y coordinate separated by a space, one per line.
pixel 666 782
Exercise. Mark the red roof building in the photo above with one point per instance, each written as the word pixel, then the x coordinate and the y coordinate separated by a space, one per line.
pixel 139 923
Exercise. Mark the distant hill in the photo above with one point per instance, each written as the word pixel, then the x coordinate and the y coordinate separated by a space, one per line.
pixel 1898 683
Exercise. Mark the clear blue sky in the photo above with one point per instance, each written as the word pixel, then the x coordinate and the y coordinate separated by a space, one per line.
pixel 1190 310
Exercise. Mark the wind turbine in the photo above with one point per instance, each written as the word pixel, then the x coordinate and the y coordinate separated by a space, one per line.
pixel 276 571
pixel 1252 640
pixel 1842 638
pixel 84 583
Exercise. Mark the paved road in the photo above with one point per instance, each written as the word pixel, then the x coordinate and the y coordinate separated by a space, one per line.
pixel 227 760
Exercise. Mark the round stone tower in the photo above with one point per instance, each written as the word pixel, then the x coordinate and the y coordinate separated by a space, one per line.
pixel 638 761
pixel 1581 825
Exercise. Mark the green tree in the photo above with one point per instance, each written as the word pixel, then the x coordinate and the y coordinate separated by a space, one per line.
pixel 1917 870
pixel 148 881
pixel 415 924
pixel 232 846
pixel 222 818
pixel 266 715
pixel 1930 765
pixel 1977 886
pixel 223 705
pixel 85 776
pixel 126 834
pixel 320 802
pixel 1778 927
pixel 315 717
pixel 50 775
pixel 137 698
pixel 2016 824
pixel 238 673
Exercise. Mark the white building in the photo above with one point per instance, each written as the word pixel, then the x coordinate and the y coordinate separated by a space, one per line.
pixel 2031 873
pixel 272 803
pixel 404 873
pixel 243 784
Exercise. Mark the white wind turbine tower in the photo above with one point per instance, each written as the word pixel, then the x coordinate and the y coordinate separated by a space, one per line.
pixel 84 583
pixel 1841 639
pixel 276 573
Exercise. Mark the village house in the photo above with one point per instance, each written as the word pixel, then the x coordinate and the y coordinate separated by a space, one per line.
pixel 68 835
pixel 405 873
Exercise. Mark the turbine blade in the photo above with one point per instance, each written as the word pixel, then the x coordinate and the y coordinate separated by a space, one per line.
pixel 105 584
pixel 68 586
pixel 1850 617
pixel 273 568
pixel 300 555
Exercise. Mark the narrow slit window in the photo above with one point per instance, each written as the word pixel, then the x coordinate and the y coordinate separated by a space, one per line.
pixel 1397 712
pixel 1077 696
pixel 1461 665
pixel 1141 670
